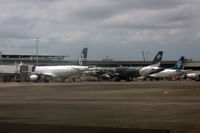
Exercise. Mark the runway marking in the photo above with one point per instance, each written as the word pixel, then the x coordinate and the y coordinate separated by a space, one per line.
pixel 188 90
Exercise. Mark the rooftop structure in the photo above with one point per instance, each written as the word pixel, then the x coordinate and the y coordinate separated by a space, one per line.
pixel 30 59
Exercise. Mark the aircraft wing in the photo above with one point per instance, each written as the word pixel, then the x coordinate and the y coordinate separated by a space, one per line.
pixel 77 69
pixel 186 71
pixel 157 69
pixel 48 74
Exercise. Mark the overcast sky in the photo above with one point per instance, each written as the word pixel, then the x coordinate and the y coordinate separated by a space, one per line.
pixel 120 29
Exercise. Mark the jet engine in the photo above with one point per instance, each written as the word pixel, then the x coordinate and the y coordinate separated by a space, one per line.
pixel 105 77
pixel 34 78
pixel 193 76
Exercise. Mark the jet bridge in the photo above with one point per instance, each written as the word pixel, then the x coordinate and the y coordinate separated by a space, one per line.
pixel 17 72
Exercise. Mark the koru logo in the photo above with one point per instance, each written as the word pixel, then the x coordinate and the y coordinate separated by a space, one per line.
pixel 158 56
pixel 80 61
pixel 179 64
pixel 82 55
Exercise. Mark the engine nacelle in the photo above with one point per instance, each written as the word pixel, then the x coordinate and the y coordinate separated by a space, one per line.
pixel 34 78
pixel 105 77
pixel 192 75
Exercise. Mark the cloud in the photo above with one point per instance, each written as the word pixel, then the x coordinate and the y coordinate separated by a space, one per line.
pixel 120 29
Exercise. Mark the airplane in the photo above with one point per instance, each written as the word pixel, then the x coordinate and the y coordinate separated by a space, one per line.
pixel 144 72
pixel 126 73
pixel 175 71
pixel 62 72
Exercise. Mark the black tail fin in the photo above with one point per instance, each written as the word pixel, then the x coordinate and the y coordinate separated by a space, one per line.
pixel 157 58
pixel 33 68
pixel 83 57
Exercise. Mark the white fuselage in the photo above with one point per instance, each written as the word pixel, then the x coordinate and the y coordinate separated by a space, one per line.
pixel 167 73
pixel 146 71
pixel 60 71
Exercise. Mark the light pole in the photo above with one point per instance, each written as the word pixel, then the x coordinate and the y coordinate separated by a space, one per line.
pixel 147 54
pixel 36 40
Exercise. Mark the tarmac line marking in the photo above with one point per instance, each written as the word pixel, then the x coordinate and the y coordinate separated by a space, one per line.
pixel 167 92
pixel 190 90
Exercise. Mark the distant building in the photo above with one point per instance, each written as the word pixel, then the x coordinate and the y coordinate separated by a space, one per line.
pixel 31 59
pixel 106 59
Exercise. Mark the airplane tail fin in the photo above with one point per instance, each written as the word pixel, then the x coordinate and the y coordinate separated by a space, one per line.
pixel 33 68
pixel 157 58
pixel 83 57
pixel 179 64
